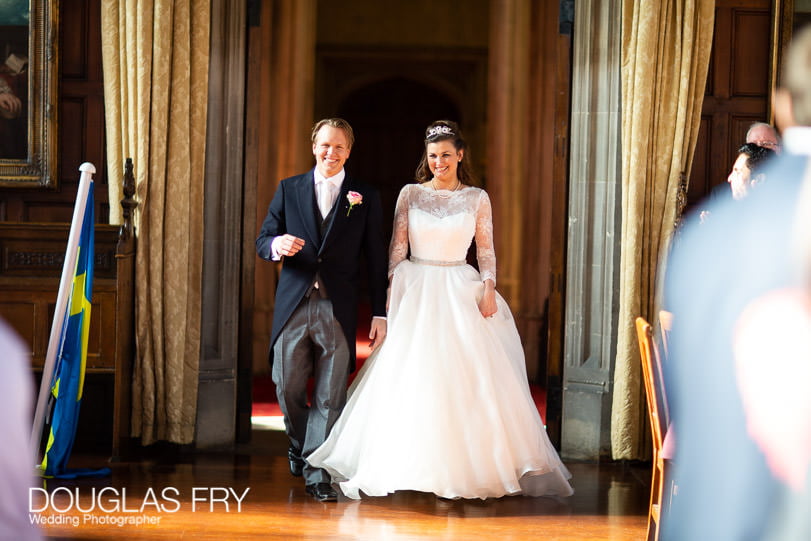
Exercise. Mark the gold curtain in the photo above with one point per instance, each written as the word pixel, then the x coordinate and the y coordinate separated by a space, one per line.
pixel 155 56
pixel 666 51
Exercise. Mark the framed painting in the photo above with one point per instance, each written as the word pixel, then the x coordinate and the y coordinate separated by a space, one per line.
pixel 28 88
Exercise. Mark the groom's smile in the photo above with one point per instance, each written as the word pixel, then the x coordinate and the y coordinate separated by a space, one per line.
pixel 331 150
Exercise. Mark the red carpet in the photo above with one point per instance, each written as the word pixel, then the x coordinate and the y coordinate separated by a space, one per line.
pixel 265 403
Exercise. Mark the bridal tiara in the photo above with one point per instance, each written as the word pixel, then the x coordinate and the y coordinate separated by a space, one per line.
pixel 439 130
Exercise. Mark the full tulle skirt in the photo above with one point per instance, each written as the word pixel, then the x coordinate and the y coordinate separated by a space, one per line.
pixel 443 406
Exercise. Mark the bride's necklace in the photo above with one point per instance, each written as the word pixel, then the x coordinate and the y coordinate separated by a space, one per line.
pixel 445 195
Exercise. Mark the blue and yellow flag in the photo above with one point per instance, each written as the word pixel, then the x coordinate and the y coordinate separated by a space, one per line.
pixel 69 371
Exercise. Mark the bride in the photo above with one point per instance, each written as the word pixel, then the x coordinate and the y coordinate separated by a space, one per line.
pixel 443 406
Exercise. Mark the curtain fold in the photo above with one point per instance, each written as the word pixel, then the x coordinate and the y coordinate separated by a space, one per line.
pixel 155 56
pixel 666 51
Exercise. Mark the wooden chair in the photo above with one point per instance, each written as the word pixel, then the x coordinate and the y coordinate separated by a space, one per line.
pixel 657 412
pixel 669 445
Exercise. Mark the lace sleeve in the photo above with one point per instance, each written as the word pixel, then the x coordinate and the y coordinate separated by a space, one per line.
pixel 398 249
pixel 485 253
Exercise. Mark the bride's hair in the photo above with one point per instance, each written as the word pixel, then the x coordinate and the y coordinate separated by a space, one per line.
pixel 446 130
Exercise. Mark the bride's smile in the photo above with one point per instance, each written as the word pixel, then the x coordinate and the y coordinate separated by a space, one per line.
pixel 443 160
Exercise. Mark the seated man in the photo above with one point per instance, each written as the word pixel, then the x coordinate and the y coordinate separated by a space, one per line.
pixel 746 171
pixel 764 135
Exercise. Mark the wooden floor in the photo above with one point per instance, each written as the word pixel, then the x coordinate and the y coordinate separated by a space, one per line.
pixel 170 498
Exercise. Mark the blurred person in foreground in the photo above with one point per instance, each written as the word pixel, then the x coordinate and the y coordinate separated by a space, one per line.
pixel 738 287
pixel 16 456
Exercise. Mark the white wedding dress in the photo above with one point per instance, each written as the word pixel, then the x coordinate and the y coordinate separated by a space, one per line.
pixel 443 405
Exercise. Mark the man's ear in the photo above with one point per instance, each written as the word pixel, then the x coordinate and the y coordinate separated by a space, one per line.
pixel 757 179
pixel 783 109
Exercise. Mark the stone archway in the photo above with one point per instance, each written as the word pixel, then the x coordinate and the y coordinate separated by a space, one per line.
pixel 389 118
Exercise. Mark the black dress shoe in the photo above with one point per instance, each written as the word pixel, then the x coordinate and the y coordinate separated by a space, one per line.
pixel 296 462
pixel 322 492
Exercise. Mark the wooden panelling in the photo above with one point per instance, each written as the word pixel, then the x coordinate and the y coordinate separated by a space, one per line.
pixel 31 259
pixel 72 135
pixel 737 90
pixel 75 20
pixel 34 250
pixel 738 126
pixel 710 90
pixel 750 53
pixel 47 211
pixel 22 313
pixel 30 310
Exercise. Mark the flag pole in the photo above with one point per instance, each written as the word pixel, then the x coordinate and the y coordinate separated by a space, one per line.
pixel 62 298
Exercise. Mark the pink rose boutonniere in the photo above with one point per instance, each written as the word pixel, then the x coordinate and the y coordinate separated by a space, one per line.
pixel 354 199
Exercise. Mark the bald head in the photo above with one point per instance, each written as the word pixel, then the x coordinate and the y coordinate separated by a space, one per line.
pixel 763 135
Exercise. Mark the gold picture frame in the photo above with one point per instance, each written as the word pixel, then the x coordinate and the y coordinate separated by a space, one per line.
pixel 28 121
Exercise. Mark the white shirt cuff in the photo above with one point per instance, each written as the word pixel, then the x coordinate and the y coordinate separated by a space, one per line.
pixel 274 248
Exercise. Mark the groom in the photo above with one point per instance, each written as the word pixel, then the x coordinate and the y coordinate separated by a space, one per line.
pixel 320 224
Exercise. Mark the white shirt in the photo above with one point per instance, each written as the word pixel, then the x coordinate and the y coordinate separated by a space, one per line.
pixel 326 191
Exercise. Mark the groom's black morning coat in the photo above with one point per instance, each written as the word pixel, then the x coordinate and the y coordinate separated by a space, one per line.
pixel 336 257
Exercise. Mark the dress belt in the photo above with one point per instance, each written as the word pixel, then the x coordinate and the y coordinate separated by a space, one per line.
pixel 436 263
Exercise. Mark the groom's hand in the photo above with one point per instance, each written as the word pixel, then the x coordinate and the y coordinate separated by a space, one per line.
pixel 290 245
pixel 377 332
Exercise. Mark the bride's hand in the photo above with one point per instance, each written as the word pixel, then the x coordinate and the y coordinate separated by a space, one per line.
pixel 487 304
